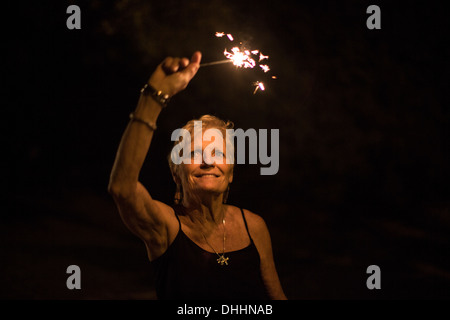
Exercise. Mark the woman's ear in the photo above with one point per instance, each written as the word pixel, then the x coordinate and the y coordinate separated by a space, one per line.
pixel 176 174
pixel 176 179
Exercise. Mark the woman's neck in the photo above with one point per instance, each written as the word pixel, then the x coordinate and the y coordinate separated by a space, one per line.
pixel 205 211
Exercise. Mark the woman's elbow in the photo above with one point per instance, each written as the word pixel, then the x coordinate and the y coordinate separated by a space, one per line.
pixel 119 190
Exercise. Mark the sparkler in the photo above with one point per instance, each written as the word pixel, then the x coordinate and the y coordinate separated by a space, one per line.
pixel 215 62
pixel 242 58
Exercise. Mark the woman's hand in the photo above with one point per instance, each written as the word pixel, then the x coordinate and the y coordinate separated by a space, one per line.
pixel 174 74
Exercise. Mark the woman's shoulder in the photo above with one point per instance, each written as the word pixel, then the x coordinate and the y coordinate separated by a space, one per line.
pixel 258 231
pixel 255 222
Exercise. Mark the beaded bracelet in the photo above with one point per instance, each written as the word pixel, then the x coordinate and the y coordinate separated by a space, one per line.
pixel 151 125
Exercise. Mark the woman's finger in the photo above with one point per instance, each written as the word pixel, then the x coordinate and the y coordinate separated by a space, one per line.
pixel 196 57
pixel 175 65
pixel 167 63
pixel 184 62
pixel 171 65
pixel 194 64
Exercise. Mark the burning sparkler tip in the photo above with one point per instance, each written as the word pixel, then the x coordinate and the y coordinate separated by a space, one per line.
pixel 243 58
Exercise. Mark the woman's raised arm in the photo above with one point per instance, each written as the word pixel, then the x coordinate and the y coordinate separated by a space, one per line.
pixel 147 218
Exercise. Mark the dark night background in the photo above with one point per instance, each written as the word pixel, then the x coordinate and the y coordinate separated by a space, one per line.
pixel 363 119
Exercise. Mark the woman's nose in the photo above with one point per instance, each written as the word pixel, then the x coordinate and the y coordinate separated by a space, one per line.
pixel 207 160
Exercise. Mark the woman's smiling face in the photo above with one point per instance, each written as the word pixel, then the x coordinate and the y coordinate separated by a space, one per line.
pixel 208 171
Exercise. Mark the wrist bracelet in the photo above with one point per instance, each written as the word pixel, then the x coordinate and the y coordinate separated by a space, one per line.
pixel 160 97
pixel 151 125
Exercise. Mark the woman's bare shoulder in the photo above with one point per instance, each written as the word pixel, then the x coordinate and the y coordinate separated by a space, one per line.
pixel 255 222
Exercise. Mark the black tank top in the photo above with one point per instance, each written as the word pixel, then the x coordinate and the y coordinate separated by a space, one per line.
pixel 186 271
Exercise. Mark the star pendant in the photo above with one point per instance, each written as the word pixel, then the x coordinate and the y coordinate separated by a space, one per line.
pixel 222 260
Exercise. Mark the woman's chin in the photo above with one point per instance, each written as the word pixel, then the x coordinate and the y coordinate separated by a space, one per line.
pixel 208 191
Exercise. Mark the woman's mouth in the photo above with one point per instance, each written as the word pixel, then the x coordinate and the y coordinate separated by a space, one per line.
pixel 206 175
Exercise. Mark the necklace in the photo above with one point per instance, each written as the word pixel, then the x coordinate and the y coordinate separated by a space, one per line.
pixel 222 259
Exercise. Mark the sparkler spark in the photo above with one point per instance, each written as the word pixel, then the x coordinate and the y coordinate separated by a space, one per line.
pixel 262 57
pixel 265 67
pixel 242 57
pixel 222 34
pixel 258 86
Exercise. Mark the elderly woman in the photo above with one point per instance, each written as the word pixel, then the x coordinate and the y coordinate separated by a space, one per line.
pixel 201 247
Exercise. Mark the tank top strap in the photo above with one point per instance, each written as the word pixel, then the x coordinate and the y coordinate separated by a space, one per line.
pixel 246 226
pixel 175 209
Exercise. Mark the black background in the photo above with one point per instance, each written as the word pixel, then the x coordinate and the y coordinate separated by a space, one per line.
pixel 363 119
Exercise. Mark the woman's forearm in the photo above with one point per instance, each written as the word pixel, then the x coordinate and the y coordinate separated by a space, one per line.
pixel 133 147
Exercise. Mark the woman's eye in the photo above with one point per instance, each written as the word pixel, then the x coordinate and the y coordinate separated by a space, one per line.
pixel 217 153
pixel 196 154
